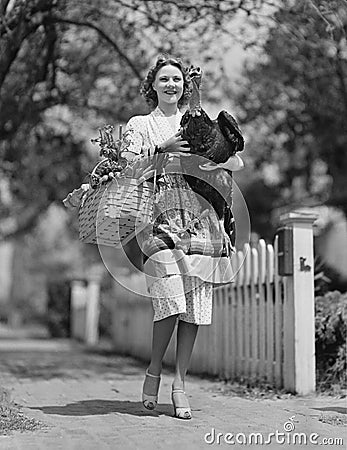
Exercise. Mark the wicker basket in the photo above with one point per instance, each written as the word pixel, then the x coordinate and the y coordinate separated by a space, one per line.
pixel 115 212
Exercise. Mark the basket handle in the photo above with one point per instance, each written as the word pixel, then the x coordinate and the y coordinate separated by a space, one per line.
pixel 97 165
pixel 93 172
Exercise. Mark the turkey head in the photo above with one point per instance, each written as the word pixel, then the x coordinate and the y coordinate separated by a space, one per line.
pixel 216 140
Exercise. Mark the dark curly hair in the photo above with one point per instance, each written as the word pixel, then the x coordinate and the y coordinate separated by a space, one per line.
pixel 147 85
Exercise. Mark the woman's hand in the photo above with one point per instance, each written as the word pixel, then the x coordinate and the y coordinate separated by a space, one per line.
pixel 74 199
pixel 175 145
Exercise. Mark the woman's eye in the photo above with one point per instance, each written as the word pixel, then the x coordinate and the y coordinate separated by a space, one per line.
pixel 165 79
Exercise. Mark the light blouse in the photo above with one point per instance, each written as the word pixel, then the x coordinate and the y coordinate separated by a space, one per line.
pixel 168 248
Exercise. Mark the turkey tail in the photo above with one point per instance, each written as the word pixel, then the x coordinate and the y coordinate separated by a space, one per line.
pixel 231 130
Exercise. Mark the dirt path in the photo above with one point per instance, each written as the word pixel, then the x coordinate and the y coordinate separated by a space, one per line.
pixel 92 401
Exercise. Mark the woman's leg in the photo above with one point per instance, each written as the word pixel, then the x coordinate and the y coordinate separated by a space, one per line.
pixel 186 334
pixel 162 332
pixel 167 295
pixel 167 298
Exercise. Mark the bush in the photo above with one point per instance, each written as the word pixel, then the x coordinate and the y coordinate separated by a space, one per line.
pixel 58 308
pixel 326 278
pixel 105 318
pixel 331 334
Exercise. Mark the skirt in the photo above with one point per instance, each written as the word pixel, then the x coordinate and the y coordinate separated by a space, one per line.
pixel 187 296
pixel 185 237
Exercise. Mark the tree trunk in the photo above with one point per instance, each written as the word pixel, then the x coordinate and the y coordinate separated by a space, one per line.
pixel 23 19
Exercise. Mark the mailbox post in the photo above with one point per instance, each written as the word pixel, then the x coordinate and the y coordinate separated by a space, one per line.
pixel 297 265
pixel 285 251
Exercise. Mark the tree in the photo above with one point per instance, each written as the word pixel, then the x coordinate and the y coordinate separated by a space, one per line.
pixel 66 67
pixel 294 102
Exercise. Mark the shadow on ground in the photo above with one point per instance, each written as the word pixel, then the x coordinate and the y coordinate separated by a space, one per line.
pixel 67 364
pixel 338 409
pixel 102 407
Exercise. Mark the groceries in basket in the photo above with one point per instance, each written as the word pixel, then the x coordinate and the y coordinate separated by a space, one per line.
pixel 119 203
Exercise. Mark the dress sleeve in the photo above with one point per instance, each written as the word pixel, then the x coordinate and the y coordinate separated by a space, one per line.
pixel 132 145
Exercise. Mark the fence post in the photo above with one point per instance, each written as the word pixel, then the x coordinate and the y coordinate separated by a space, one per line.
pixel 78 307
pixel 299 319
pixel 94 277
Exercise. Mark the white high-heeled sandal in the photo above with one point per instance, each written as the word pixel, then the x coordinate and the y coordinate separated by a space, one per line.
pixel 181 404
pixel 150 401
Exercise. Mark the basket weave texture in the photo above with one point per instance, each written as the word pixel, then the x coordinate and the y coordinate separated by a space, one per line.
pixel 115 212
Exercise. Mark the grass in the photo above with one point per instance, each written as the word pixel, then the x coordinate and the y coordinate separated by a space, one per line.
pixel 256 391
pixel 262 390
pixel 334 390
pixel 12 417
pixel 333 419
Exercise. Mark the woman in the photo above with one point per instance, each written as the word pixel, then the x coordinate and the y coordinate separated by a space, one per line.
pixel 183 250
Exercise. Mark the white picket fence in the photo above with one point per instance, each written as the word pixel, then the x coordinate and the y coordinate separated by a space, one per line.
pixel 85 304
pixel 263 324
pixel 245 340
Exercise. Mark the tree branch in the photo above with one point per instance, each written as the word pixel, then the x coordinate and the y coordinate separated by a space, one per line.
pixel 341 76
pixel 214 5
pixel 3 6
pixel 103 35
pixel 148 16
pixel 23 20
pixel 329 25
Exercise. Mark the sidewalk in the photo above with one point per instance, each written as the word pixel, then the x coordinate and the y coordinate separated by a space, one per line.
pixel 91 401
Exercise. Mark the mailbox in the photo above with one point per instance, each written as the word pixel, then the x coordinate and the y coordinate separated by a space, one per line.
pixel 285 251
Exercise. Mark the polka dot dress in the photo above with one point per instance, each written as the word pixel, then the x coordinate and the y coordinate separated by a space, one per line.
pixel 187 296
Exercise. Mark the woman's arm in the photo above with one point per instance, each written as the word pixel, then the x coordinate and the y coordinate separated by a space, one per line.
pixel 133 139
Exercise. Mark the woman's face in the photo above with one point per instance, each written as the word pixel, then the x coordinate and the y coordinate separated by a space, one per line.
pixel 168 84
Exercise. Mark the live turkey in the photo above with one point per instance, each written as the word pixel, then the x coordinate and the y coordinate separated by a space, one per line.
pixel 215 142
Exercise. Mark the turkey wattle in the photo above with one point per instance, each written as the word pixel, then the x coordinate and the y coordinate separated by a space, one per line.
pixel 217 141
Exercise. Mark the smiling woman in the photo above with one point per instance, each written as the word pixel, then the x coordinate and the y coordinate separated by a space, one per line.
pixel 183 246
